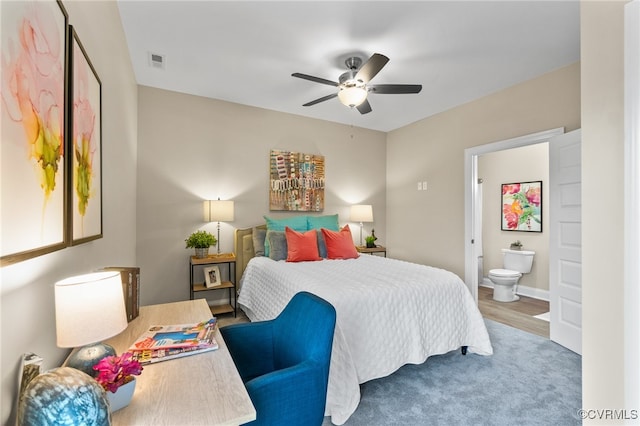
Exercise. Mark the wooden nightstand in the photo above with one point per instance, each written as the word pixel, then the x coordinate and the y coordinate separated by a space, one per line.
pixel 216 259
pixel 372 250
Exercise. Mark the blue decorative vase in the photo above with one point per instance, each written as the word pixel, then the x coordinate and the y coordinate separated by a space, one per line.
pixel 86 357
pixel 64 396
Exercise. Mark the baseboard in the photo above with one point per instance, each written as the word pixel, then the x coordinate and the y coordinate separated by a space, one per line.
pixel 523 290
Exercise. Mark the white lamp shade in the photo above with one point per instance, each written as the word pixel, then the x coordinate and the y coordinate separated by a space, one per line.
pixel 89 308
pixel 361 213
pixel 352 96
pixel 218 211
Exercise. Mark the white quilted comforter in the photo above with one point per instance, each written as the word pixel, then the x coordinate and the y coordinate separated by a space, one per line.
pixel 389 313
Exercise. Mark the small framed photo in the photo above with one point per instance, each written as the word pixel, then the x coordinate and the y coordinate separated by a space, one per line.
pixel 212 276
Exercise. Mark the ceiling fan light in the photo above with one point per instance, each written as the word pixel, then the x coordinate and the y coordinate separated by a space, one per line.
pixel 352 96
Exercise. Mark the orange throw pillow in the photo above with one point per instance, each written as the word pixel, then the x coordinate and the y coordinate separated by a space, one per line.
pixel 301 246
pixel 340 244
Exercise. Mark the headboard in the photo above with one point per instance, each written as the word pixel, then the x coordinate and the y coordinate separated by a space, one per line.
pixel 243 247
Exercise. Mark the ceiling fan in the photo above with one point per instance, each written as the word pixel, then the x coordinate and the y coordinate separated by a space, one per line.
pixel 353 85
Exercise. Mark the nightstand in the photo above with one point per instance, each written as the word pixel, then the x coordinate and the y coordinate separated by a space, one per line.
pixel 228 259
pixel 372 250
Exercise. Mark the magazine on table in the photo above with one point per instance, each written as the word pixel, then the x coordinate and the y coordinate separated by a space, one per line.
pixel 181 336
pixel 148 356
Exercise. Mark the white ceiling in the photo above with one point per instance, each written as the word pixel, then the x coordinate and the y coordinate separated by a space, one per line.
pixel 245 52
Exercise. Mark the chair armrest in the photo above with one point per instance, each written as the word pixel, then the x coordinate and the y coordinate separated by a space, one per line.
pixel 251 347
pixel 294 395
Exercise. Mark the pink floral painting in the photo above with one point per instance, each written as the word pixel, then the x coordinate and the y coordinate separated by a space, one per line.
pixel 522 206
pixel 32 150
pixel 86 206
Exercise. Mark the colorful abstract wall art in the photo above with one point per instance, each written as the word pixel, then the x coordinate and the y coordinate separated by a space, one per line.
pixel 296 181
pixel 86 146
pixel 33 176
pixel 522 206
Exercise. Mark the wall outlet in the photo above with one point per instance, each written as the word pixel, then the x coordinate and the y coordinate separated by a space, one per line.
pixel 419 186
pixel 424 185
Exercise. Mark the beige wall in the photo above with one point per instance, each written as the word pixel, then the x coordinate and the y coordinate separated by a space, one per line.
pixel 428 226
pixel 192 148
pixel 523 164
pixel 28 323
pixel 425 226
pixel 602 42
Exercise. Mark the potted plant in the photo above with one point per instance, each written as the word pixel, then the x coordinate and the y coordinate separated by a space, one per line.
pixel 115 375
pixel 201 241
pixel 516 245
pixel 371 241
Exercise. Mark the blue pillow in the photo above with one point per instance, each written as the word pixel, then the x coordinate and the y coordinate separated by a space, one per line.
pixel 322 245
pixel 278 245
pixel 298 223
pixel 328 221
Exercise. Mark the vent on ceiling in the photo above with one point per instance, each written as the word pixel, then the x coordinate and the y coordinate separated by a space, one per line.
pixel 156 60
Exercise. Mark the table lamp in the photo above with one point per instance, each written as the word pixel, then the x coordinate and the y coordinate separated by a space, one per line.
pixel 218 211
pixel 89 309
pixel 361 213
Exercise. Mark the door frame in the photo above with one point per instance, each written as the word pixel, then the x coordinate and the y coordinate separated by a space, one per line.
pixel 632 201
pixel 472 204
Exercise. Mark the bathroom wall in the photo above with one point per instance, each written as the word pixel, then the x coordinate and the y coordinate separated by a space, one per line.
pixel 523 164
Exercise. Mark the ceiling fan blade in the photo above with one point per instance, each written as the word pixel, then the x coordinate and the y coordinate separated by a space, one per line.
pixel 395 88
pixel 372 67
pixel 364 107
pixel 322 99
pixel 315 79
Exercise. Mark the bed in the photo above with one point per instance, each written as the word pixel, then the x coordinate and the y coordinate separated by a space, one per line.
pixel 389 313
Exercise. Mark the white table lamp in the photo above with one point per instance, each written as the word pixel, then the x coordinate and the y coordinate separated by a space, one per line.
pixel 361 213
pixel 89 309
pixel 218 211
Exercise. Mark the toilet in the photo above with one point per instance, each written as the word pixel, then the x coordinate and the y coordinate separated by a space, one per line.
pixel 515 263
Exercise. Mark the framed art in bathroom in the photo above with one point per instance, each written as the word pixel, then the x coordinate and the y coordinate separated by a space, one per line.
pixel 521 208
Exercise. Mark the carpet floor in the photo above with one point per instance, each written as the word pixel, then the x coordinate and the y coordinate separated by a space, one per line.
pixel 529 380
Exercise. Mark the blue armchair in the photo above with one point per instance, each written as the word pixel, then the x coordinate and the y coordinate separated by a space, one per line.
pixel 284 362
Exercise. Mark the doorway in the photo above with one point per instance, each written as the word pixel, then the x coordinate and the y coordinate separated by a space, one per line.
pixel 521 160
pixel 564 290
pixel 473 232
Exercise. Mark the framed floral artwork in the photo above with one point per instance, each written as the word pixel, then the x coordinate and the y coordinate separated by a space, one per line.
pixel 33 151
pixel 522 206
pixel 85 146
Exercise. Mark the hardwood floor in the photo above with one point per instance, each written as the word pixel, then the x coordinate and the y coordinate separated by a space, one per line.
pixel 519 314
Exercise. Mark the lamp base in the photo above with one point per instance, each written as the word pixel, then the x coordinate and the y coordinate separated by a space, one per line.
pixel 86 357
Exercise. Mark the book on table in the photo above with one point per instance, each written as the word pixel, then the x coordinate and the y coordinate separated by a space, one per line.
pixel 164 342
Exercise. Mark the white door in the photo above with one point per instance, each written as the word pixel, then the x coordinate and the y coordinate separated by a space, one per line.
pixel 565 240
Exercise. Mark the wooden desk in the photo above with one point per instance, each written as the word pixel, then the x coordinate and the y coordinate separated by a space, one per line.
pixel 203 389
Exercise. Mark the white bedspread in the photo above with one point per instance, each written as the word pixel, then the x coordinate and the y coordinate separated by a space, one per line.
pixel 389 313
